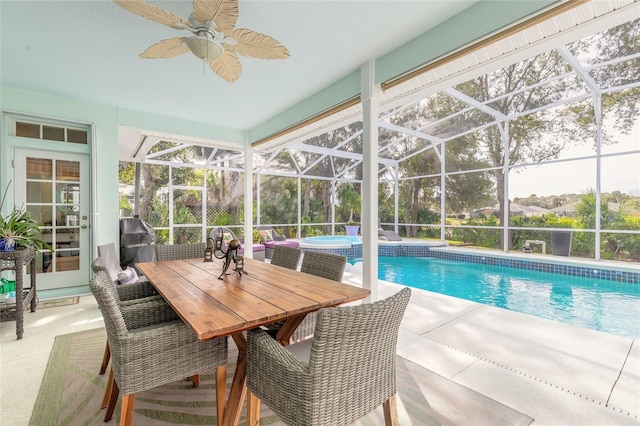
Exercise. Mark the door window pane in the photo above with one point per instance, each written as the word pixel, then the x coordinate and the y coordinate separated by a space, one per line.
pixel 53 133
pixel 67 170
pixel 77 136
pixel 39 192
pixel 28 130
pixel 39 168
pixel 42 214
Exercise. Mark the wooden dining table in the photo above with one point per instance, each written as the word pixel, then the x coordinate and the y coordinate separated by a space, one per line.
pixel 229 306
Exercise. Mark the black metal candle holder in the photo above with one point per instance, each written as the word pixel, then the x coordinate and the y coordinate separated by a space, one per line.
pixel 230 254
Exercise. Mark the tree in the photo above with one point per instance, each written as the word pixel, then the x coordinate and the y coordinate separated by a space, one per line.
pixel 349 199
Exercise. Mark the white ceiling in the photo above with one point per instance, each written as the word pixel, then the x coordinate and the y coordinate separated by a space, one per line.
pixel 89 50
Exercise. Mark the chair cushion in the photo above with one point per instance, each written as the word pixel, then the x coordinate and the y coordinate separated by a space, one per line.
pixel 266 234
pixel 227 237
pixel 301 350
pixel 256 247
pixel 273 244
pixel 128 276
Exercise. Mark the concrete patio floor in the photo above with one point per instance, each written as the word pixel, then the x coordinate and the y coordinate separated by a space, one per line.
pixel 556 373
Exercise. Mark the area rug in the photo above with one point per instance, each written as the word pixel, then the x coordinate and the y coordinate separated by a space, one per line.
pixel 72 390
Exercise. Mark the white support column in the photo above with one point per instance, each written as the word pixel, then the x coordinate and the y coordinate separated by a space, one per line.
pixel 170 198
pixel 505 176
pixel 396 198
pixel 597 106
pixel 369 94
pixel 248 199
pixel 205 213
pixel 443 191
pixel 333 197
pixel 299 227
pixel 258 198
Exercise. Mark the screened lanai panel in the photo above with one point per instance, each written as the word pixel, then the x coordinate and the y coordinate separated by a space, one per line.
pixel 468 192
pixel 615 75
pixel 463 154
pixel 448 114
pixel 178 153
pixel 321 168
pixel 566 178
pixel 610 57
pixel 406 148
pixel 187 206
pixel 224 197
pixel 348 169
pixel 226 158
pixel 153 206
pixel 618 173
pixel 387 138
pixel 279 163
pixel 163 146
pixel 191 154
pixel 278 199
pixel 619 134
pixel 306 159
pixel 187 176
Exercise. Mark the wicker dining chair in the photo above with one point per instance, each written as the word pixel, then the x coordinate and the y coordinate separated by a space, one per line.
pixel 127 295
pixel 150 352
pixel 326 265
pixel 287 257
pixel 179 251
pixel 347 370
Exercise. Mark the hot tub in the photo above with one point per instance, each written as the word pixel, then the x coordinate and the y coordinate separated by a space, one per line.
pixel 328 241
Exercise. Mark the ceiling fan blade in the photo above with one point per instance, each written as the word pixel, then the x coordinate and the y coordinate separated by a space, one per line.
pixel 227 66
pixel 166 49
pixel 223 12
pixel 256 45
pixel 154 13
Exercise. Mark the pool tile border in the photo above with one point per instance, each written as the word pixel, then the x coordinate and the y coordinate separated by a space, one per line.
pixel 532 265
pixel 416 250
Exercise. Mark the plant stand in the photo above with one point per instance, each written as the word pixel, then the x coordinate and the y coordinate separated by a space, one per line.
pixel 15 260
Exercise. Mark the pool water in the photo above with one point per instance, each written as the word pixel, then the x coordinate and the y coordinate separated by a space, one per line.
pixel 586 302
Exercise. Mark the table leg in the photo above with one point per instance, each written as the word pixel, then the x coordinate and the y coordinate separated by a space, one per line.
pixel 238 385
pixel 288 328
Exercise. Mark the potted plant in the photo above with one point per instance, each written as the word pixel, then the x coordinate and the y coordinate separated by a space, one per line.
pixel 19 229
pixel 350 199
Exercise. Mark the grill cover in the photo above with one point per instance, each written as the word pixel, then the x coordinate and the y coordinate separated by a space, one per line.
pixel 137 242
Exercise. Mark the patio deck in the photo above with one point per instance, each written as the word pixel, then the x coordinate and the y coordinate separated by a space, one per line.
pixel 556 373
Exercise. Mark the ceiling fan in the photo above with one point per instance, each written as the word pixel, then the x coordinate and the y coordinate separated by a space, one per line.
pixel 215 38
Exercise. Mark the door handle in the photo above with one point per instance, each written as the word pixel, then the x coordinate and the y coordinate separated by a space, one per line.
pixel 83 226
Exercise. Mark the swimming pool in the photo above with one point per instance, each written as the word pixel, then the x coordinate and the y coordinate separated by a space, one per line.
pixel 594 303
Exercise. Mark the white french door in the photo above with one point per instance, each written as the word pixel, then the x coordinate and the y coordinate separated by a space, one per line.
pixel 55 188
